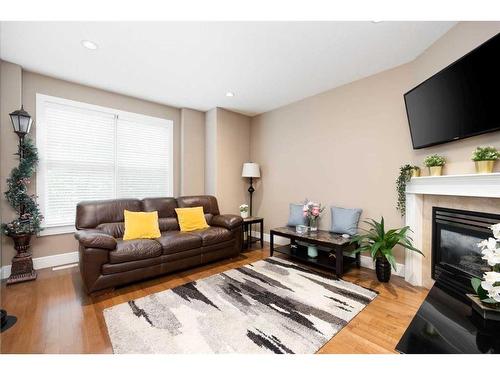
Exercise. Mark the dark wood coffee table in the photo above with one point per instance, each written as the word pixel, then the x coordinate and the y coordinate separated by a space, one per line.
pixel 334 259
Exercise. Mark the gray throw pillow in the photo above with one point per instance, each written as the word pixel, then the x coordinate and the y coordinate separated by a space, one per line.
pixel 296 216
pixel 345 220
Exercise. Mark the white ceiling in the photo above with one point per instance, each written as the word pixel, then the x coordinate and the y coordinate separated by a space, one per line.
pixel 194 64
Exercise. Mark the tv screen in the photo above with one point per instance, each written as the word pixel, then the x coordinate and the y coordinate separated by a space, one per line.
pixel 460 101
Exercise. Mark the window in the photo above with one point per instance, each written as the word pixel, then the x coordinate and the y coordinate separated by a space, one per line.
pixel 89 152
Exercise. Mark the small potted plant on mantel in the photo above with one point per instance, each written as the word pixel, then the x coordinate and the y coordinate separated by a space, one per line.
pixel 380 244
pixel 406 172
pixel 485 158
pixel 435 164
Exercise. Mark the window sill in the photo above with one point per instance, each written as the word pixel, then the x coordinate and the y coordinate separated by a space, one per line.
pixel 53 231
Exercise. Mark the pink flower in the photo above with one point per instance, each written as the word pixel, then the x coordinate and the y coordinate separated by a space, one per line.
pixel 305 213
pixel 315 211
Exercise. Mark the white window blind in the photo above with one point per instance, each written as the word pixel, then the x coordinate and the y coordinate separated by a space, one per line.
pixel 143 164
pixel 89 152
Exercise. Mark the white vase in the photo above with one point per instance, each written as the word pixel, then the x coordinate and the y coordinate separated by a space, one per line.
pixel 244 215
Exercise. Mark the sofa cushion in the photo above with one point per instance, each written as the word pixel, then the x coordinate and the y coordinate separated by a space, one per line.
pixel 296 215
pixel 113 229
pixel 208 203
pixel 175 241
pixel 127 251
pixel 191 218
pixel 213 235
pixel 345 220
pixel 90 214
pixel 165 206
pixel 141 225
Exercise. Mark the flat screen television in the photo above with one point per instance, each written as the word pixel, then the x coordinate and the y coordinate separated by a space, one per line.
pixel 460 101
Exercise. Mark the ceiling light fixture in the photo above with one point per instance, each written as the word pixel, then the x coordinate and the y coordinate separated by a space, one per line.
pixel 376 21
pixel 229 94
pixel 89 44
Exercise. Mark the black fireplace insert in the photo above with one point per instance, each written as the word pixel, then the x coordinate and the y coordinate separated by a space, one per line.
pixel 455 254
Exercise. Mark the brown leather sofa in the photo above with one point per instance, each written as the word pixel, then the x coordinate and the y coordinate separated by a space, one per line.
pixel 106 260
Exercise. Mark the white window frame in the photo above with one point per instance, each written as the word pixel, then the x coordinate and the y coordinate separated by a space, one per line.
pixel 41 100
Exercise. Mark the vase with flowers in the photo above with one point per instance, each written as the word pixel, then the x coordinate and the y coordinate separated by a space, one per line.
pixel 312 212
pixel 488 289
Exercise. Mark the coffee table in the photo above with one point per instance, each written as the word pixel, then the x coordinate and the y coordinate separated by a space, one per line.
pixel 335 259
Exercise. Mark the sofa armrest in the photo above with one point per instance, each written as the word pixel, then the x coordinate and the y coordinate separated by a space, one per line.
pixel 227 221
pixel 95 238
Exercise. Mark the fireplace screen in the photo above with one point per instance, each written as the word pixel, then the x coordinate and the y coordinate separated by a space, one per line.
pixel 461 252
pixel 455 254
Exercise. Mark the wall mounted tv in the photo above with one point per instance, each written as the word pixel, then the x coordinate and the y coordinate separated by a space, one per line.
pixel 460 101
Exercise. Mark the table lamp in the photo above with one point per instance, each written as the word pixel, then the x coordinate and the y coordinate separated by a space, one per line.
pixel 251 171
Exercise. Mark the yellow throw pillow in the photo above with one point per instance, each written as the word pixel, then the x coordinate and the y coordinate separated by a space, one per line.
pixel 191 218
pixel 141 225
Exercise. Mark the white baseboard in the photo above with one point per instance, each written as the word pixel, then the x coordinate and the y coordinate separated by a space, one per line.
pixel 366 261
pixel 46 262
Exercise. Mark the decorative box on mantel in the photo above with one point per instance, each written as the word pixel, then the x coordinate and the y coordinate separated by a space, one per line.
pixel 466 185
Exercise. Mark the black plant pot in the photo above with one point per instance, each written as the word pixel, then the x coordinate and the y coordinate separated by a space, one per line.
pixel 383 269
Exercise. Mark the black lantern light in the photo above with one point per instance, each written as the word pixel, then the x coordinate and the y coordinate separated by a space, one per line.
pixel 21 122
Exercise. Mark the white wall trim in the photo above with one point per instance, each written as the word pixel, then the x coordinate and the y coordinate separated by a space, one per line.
pixel 366 261
pixel 466 185
pixel 46 262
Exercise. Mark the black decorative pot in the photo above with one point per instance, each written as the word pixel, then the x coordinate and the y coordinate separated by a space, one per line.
pixel 383 269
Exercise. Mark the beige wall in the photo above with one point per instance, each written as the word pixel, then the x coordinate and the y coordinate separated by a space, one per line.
pixel 211 152
pixel 32 84
pixel 227 148
pixel 192 152
pixel 233 149
pixel 344 147
pixel 10 100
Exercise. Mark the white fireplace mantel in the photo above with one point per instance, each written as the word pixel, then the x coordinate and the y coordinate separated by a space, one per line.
pixel 465 185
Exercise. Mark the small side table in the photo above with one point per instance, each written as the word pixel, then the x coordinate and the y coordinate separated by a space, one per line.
pixel 247 228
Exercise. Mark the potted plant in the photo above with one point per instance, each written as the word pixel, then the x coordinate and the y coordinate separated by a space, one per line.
pixel 244 211
pixel 29 217
pixel 435 164
pixel 485 158
pixel 488 290
pixel 380 244
pixel 406 172
pixel 415 171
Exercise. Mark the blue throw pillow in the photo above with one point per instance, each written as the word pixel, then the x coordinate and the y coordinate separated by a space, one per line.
pixel 345 220
pixel 296 216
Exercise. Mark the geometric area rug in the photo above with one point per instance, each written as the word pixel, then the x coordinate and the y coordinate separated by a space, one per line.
pixel 270 306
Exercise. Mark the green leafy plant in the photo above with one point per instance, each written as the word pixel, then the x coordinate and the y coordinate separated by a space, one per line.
pixel 29 216
pixel 380 243
pixel 485 153
pixel 434 161
pixel 404 176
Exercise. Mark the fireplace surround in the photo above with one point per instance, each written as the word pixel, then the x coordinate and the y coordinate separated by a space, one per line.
pixel 474 192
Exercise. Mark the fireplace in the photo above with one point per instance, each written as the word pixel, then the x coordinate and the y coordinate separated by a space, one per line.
pixel 455 254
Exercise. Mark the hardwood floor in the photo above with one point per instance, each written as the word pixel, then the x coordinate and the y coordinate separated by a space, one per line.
pixel 55 315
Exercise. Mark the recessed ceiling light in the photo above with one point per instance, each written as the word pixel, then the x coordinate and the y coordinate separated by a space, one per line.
pixel 89 44
pixel 376 21
pixel 229 94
